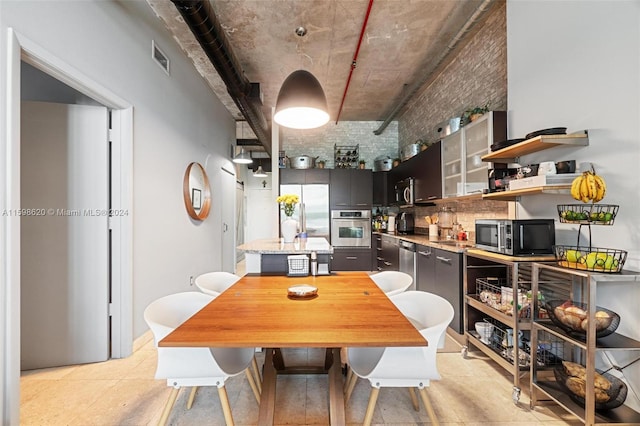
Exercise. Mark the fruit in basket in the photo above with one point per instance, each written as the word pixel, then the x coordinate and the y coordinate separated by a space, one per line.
pixel 602 318
pixel 588 187
pixel 600 260
pixel 573 255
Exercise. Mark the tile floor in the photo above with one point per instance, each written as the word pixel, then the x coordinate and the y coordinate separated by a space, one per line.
pixel 473 391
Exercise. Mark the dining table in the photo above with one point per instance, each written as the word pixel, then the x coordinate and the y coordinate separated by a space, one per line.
pixel 346 309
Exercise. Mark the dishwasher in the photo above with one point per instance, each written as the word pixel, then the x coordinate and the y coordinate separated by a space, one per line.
pixel 407 260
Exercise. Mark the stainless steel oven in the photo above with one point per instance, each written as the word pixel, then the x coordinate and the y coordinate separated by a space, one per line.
pixel 351 228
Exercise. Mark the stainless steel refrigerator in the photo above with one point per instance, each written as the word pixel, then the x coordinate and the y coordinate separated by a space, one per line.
pixel 315 198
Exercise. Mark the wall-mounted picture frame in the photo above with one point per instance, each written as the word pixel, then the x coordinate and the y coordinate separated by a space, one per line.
pixel 196 198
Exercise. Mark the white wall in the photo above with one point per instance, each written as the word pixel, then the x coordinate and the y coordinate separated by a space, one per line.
pixel 577 65
pixel 177 120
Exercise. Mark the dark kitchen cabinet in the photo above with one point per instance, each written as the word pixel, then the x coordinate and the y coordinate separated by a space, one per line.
pixel 351 259
pixel 425 268
pixel 376 251
pixel 351 189
pixel 428 175
pixel 448 274
pixel 304 176
pixel 383 194
pixel 389 259
pixel 426 168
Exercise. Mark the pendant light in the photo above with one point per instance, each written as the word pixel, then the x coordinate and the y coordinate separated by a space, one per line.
pixel 260 173
pixel 243 158
pixel 301 102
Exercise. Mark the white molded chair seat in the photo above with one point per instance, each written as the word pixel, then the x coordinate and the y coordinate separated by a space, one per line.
pixel 214 283
pixel 392 282
pixel 411 367
pixel 195 366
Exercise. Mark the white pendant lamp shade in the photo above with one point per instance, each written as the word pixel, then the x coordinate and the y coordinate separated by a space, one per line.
pixel 243 158
pixel 260 172
pixel 301 102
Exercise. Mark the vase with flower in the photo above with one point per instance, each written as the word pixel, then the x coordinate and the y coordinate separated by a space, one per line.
pixel 289 226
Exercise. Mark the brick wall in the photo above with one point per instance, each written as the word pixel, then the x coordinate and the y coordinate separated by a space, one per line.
pixel 320 142
pixel 477 76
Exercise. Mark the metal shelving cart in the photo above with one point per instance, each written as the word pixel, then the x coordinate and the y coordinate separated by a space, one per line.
pixel 491 282
pixel 580 286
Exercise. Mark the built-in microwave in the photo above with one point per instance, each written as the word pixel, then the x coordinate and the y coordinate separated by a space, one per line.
pixel 526 237
pixel 405 192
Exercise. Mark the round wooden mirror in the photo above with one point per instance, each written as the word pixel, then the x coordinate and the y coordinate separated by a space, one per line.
pixel 196 191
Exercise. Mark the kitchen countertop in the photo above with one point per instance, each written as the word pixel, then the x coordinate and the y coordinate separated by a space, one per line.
pixel 449 245
pixel 277 246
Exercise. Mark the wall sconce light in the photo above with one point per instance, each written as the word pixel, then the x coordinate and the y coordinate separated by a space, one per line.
pixel 301 102
pixel 243 157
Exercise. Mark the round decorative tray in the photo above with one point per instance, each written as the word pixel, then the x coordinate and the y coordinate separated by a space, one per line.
pixel 572 318
pixel 616 394
pixel 596 259
pixel 302 291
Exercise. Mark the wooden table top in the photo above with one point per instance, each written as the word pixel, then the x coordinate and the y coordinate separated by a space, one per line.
pixel 350 310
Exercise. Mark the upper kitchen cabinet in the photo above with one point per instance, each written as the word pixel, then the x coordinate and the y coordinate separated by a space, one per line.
pixel 428 175
pixel 383 194
pixel 304 176
pixel 426 169
pixel 351 188
pixel 463 171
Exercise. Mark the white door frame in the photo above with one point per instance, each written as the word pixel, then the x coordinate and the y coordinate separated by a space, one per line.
pixel 20 48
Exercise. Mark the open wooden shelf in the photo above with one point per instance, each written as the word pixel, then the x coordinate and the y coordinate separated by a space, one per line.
pixel 511 195
pixel 539 143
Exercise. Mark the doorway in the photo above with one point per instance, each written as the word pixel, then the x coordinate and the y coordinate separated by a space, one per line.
pixel 20 49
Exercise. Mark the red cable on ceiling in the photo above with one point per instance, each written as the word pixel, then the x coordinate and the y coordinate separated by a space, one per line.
pixel 355 58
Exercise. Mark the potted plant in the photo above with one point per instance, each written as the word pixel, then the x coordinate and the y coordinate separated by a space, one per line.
pixel 396 162
pixel 361 163
pixel 321 164
pixel 472 114
pixel 423 144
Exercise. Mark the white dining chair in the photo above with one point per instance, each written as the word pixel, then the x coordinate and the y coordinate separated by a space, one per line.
pixel 216 282
pixel 392 282
pixel 410 367
pixel 195 366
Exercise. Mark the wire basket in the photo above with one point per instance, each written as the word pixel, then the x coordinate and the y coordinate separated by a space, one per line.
pixel 298 265
pixel 587 258
pixel 496 293
pixel 584 214
pixel 502 342
pixel 605 399
pixel 572 318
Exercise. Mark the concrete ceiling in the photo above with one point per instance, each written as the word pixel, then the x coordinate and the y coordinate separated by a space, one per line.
pixel 404 43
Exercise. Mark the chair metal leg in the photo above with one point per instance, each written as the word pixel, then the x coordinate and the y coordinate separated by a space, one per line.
pixel 168 406
pixel 373 397
pixel 428 406
pixel 192 396
pixel 256 373
pixel 226 408
pixel 253 385
pixel 351 383
pixel 414 399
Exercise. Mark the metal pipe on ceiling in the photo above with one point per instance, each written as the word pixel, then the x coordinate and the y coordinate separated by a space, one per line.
pixel 201 19
pixel 355 58
pixel 479 14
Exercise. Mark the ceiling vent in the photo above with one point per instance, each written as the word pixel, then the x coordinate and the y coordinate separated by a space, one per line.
pixel 159 57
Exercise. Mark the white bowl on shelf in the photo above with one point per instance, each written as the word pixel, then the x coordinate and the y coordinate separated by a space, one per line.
pixel 484 330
